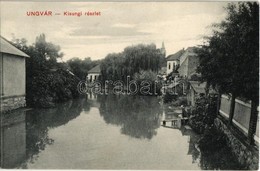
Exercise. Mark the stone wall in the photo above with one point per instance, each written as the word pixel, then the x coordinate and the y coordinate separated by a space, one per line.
pixel 247 154
pixel 12 102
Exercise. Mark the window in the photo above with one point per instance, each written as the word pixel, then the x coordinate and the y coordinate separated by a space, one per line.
pixel 95 77
pixel 169 65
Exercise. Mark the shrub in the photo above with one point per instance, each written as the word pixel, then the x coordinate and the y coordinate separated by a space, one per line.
pixel 204 113
pixel 46 88
pixel 151 78
pixel 168 97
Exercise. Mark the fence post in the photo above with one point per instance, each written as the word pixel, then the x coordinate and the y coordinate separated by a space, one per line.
pixel 232 109
pixel 252 122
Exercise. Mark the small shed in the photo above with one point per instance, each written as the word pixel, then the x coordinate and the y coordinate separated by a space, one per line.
pixel 12 79
pixel 195 89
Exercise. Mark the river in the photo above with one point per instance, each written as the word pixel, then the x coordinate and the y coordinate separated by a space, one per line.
pixel 102 132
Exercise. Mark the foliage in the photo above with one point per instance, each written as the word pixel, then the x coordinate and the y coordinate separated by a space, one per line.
pixel 113 67
pixel 168 97
pixel 181 100
pixel 195 77
pixel 229 62
pixel 47 87
pixel 148 80
pixel 215 153
pixel 133 59
pixel 203 114
pixel 47 81
pixel 81 67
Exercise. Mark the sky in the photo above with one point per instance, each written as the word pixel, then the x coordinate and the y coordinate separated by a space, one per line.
pixel 121 24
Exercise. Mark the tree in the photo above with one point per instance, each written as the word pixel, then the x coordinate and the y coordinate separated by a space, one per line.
pixel 45 86
pixel 133 59
pixel 81 67
pixel 229 62
pixel 47 50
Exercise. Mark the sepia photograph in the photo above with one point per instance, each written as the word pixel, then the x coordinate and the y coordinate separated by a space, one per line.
pixel 128 85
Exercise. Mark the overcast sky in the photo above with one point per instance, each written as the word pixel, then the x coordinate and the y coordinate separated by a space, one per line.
pixel 178 24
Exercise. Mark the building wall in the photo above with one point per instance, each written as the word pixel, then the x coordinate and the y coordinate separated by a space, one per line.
pixel 193 62
pixel 188 63
pixel 183 70
pixel 184 56
pixel 170 66
pixel 12 82
pixel 1 74
pixel 13 75
pixel 189 66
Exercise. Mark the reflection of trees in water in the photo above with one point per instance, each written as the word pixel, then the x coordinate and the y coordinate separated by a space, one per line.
pixel 210 158
pixel 193 138
pixel 39 121
pixel 221 159
pixel 138 116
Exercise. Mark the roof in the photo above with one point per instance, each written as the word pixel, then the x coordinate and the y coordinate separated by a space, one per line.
pixel 7 47
pixel 175 56
pixel 96 69
pixel 198 87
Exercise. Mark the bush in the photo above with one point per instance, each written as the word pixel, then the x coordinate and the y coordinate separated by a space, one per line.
pixel 148 77
pixel 180 101
pixel 168 97
pixel 47 88
pixel 204 113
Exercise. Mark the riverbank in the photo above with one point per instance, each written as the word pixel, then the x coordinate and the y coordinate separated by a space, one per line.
pixel 215 137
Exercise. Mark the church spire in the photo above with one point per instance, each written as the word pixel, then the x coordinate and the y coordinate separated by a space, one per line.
pixel 163 51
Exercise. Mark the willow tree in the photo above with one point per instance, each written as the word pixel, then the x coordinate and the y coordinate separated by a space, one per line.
pixel 133 59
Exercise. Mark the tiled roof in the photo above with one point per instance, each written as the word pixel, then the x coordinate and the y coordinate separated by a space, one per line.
pixel 175 56
pixel 6 47
pixel 96 69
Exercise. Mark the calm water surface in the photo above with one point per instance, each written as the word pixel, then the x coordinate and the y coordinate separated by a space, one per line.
pixel 102 132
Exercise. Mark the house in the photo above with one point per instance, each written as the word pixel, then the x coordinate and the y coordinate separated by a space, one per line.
pixel 189 62
pixel 12 79
pixel 94 73
pixel 195 89
pixel 173 61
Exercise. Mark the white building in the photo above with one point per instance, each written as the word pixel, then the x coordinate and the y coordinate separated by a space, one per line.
pixel 173 61
pixel 94 73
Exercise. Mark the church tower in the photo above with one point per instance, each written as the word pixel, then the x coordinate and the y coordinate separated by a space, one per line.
pixel 163 51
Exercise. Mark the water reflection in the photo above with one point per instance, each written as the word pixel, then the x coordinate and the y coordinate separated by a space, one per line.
pixel 39 121
pixel 13 140
pixel 93 133
pixel 138 116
